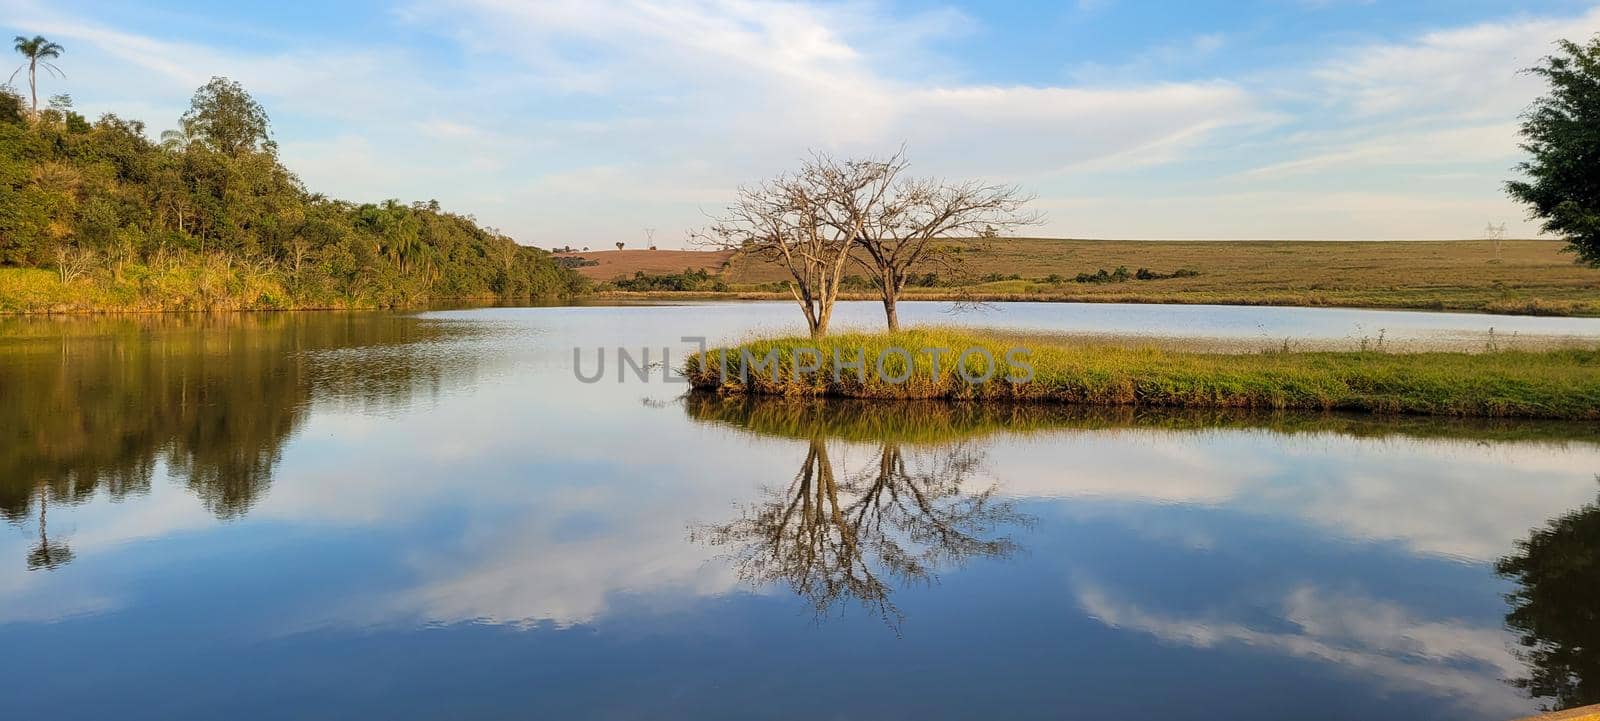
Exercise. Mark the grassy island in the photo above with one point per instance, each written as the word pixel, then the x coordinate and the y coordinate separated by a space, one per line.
pixel 1558 384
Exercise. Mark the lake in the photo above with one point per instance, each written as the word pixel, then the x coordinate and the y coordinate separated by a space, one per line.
pixel 427 515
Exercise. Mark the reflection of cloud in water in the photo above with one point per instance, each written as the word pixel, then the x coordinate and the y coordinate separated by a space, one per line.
pixel 520 561
pixel 1367 637
pixel 1461 499
pixel 535 578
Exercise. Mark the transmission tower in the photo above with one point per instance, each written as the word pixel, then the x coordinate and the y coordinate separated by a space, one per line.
pixel 1496 233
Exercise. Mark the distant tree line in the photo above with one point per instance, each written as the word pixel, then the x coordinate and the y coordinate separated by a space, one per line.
pixel 690 279
pixel 100 201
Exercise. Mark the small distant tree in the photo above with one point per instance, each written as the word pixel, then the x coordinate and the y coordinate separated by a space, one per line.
pixel 39 52
pixel 1561 131
pixel 72 262
pixel 619 245
pixel 225 118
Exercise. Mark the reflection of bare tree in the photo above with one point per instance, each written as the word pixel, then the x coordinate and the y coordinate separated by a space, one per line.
pixel 1555 610
pixel 831 539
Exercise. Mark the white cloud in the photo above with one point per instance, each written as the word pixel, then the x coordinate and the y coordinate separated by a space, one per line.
pixel 571 121
pixel 1441 106
pixel 1471 73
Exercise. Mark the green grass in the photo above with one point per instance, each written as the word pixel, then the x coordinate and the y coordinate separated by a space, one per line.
pixel 1558 384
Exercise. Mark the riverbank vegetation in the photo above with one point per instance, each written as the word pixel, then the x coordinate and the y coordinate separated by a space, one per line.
pixel 95 215
pixel 1558 384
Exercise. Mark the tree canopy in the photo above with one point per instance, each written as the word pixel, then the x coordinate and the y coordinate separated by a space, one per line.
pixel 1561 131
pixel 101 200
pixel 224 117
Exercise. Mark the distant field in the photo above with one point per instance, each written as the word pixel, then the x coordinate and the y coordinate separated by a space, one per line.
pixel 1520 276
pixel 624 263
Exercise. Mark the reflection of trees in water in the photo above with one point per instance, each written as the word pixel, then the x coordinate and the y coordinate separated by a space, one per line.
pixel 95 404
pixel 833 537
pixel 1555 610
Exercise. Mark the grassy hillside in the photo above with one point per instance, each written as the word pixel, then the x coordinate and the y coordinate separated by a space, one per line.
pixel 1514 276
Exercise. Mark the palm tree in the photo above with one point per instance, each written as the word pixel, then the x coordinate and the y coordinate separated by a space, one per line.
pixel 176 140
pixel 38 51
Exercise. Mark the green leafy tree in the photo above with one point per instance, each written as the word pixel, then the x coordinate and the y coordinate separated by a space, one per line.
pixel 39 53
pixel 1562 133
pixel 224 117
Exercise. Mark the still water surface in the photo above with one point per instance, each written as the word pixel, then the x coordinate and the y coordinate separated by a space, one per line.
pixel 426 516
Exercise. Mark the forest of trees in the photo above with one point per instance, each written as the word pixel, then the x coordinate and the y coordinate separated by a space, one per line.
pixel 207 217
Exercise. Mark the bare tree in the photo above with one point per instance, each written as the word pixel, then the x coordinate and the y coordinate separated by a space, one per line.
pixel 72 262
pixel 906 227
pixel 298 250
pixel 807 222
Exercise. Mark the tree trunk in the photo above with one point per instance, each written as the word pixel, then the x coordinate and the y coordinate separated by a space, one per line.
pixel 824 314
pixel 33 85
pixel 890 286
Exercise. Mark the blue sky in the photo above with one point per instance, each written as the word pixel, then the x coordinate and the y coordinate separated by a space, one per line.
pixel 587 121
